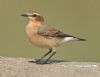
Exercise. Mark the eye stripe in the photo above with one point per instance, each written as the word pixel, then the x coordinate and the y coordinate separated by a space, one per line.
pixel 34 15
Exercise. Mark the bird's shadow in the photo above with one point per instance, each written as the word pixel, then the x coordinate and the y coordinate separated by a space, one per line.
pixel 51 61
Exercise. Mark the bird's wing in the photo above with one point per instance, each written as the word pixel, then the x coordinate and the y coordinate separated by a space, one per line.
pixel 52 32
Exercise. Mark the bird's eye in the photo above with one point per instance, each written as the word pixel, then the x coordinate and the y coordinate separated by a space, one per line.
pixel 34 15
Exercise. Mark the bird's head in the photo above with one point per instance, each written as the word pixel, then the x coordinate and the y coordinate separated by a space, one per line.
pixel 33 16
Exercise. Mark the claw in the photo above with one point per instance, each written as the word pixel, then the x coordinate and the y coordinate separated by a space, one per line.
pixel 39 61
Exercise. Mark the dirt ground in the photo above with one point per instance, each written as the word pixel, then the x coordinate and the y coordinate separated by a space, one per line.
pixel 24 67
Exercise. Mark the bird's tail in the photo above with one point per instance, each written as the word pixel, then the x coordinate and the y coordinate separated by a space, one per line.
pixel 79 39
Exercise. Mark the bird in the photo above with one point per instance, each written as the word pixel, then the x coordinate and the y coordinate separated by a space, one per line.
pixel 45 36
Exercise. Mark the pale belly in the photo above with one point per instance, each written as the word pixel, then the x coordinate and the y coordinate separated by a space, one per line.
pixel 40 40
pixel 44 42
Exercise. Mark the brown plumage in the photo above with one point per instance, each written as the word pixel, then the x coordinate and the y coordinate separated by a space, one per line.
pixel 45 36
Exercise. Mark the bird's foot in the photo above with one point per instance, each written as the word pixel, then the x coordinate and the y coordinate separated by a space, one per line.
pixel 42 61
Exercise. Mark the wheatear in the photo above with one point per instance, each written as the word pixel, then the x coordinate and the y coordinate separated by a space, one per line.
pixel 42 35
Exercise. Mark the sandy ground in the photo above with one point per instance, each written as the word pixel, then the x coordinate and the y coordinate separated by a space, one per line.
pixel 24 67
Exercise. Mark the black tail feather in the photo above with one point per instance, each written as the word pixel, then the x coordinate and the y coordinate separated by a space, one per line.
pixel 79 39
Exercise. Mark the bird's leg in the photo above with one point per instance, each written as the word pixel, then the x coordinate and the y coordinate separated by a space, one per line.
pixel 54 52
pixel 50 50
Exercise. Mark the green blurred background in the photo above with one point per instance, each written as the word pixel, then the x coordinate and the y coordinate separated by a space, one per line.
pixel 80 18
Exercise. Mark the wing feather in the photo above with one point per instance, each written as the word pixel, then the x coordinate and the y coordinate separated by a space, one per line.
pixel 52 32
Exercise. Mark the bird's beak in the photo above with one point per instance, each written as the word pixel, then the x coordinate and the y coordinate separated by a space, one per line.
pixel 25 15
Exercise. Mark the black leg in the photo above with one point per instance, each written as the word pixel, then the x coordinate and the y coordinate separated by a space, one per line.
pixel 50 57
pixel 40 60
pixel 50 50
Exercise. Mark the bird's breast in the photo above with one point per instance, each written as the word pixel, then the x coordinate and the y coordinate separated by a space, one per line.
pixel 40 40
